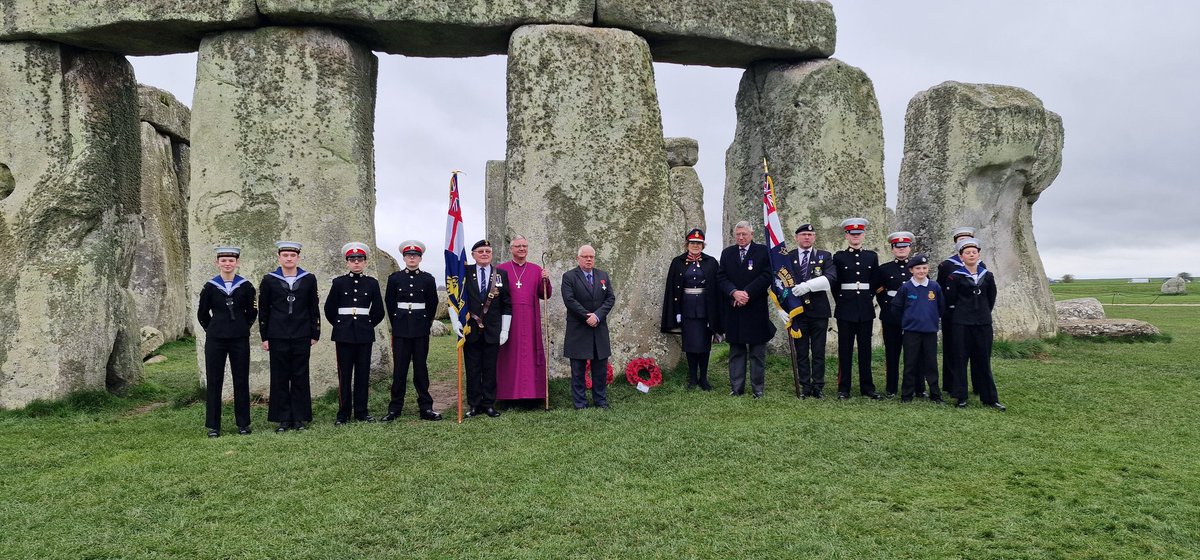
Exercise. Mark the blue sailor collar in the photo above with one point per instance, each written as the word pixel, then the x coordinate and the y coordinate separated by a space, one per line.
pixel 220 283
pixel 278 273
pixel 962 269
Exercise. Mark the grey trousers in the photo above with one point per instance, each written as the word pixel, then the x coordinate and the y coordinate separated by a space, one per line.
pixel 739 356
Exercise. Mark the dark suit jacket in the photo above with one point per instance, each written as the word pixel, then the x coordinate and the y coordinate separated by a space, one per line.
pixel 354 290
pixel 816 304
pixel 501 305
pixel 749 324
pixel 581 341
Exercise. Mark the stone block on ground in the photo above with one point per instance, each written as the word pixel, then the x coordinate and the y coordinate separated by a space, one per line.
pixel 1107 328
pixel 151 340
pixel 1079 308
pixel 1174 286
pixel 439 328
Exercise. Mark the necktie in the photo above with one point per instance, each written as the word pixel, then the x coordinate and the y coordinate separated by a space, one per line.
pixel 483 281
pixel 742 251
pixel 804 267
pixel 589 278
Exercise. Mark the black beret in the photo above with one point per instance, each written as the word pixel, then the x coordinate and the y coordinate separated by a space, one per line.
pixel 805 227
pixel 481 243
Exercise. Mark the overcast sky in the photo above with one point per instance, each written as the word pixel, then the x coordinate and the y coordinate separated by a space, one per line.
pixel 1123 75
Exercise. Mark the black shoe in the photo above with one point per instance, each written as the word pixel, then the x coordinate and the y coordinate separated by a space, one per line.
pixel 758 395
pixel 339 422
pixel 427 415
pixel 925 395
pixel 873 396
pixel 962 403
pixel 584 407
pixel 843 396
pixel 283 427
pixel 390 417
pixel 735 394
pixel 300 427
pixel 906 399
pixel 996 405
pixel 704 386
pixel 214 433
pixel 892 395
pixel 937 400
pixel 816 394
pixel 244 431
pixel 491 412
pixel 368 419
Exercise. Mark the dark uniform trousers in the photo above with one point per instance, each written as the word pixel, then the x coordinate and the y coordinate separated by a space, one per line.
pixel 920 361
pixel 416 351
pixel 291 394
pixel 480 359
pixel 893 342
pixel 850 332
pixel 813 332
pixel 354 372
pixel 973 343
pixel 599 382
pixel 237 351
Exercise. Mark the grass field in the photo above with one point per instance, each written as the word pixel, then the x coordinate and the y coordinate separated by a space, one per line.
pixel 1095 458
pixel 1111 291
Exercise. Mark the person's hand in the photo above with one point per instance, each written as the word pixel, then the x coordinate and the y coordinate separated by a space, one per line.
pixel 678 318
pixel 783 316
pixel 312 342
pixel 545 274
pixel 455 325
pixel 741 297
pixel 266 346
pixel 592 320
pixel 800 289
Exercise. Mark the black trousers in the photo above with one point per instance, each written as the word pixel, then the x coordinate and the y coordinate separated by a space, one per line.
pixel 974 346
pixel 354 378
pixel 893 343
pixel 814 332
pixel 753 356
pixel 849 333
pixel 291 394
pixel 920 362
pixel 415 350
pixel 480 361
pixel 216 350
pixel 697 368
pixel 599 383
pixel 949 361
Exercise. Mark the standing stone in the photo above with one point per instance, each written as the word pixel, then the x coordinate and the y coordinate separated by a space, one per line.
pixel 818 124
pixel 68 221
pixel 160 267
pixel 493 194
pixel 585 165
pixel 979 155
pixel 282 128
pixel 1174 286
pixel 686 188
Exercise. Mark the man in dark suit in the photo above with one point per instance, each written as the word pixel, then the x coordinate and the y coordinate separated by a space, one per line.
pixel 814 274
pixel 354 307
pixel 490 306
pixel 745 278
pixel 589 296
pixel 411 301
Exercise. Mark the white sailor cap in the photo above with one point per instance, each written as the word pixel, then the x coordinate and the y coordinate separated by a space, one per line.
pixel 281 246
pixel 900 238
pixel 964 243
pixel 356 249
pixel 963 231
pixel 855 225
pixel 228 251
pixel 412 247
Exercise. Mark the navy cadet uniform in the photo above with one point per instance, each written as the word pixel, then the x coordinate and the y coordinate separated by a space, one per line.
pixel 354 307
pixel 855 311
pixel 919 307
pixel 949 360
pixel 289 317
pixel 973 297
pixel 411 301
pixel 814 273
pixel 226 311
pixel 889 277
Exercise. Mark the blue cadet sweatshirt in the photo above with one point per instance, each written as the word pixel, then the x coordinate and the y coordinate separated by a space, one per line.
pixel 920 307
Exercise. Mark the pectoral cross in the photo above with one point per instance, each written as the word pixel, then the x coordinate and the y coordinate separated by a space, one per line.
pixel 518 284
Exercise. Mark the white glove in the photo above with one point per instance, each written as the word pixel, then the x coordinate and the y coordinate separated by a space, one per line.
pixel 455 325
pixel 783 316
pixel 818 284
pixel 678 318
pixel 505 323
pixel 800 289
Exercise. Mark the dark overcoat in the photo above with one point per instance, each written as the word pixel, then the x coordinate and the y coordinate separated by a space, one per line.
pixel 582 342
pixel 750 323
pixel 673 295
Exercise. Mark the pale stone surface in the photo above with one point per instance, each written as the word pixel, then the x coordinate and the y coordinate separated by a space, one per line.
pixel 682 152
pixel 818 124
pixel 1174 286
pixel 494 194
pixel 429 27
pixel 165 113
pixel 438 328
pixel 442 308
pixel 1107 328
pixel 151 340
pixel 725 32
pixel 1079 308
pixel 689 197
pixel 587 168
pixel 155 359
pixel 142 27
pixel 67 227
pixel 282 137
pixel 160 268
pixel 979 155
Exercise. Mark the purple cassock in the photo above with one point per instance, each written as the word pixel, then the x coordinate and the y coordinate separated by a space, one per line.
pixel 521 366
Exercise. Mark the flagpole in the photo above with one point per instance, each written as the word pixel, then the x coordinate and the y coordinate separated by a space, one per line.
pixel 460 381
pixel 787 327
pixel 545 332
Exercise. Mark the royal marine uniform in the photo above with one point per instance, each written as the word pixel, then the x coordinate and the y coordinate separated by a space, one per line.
pixel 853 295
pixel 354 307
pixel 889 277
pixel 411 301
pixel 815 274
pixel 225 312
pixel 289 318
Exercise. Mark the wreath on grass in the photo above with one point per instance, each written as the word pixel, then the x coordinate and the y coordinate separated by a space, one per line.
pixel 633 372
pixel 587 375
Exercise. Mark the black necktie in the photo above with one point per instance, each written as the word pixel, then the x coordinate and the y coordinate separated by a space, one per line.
pixel 483 281
pixel 804 267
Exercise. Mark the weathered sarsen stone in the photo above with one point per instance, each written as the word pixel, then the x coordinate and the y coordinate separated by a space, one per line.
pixel 1174 286
pixel 586 165
pixel 1108 328
pixel 494 195
pixel 68 221
pixel 160 268
pixel 979 155
pixel 282 137
pixel 725 32
pixel 686 189
pixel 1079 308
pixel 141 27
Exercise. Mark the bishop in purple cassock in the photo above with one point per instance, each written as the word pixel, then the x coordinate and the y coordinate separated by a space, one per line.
pixel 521 366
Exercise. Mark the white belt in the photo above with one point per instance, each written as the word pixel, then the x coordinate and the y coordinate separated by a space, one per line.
pixel 891 293
pixel 407 305
pixel 856 286
pixel 354 310
pixel 693 291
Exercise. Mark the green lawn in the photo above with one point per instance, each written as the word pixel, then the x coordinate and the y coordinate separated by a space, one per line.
pixel 1119 290
pixel 1097 457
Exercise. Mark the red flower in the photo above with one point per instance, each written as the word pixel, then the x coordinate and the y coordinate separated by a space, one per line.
pixel 587 375
pixel 633 372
